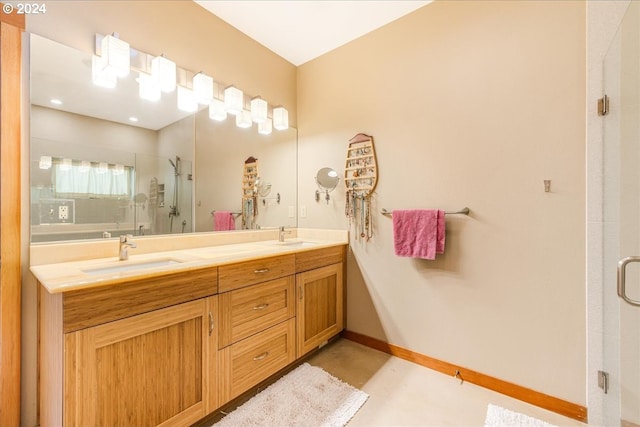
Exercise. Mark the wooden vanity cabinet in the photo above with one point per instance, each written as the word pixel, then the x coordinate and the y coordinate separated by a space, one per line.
pixel 257 322
pixel 169 350
pixel 153 365
pixel 320 297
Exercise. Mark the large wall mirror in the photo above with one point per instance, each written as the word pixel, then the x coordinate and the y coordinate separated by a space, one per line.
pixel 104 162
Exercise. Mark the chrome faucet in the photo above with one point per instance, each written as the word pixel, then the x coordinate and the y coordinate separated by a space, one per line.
pixel 125 244
pixel 282 233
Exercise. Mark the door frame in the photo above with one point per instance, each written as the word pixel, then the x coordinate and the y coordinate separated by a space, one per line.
pixel 11 27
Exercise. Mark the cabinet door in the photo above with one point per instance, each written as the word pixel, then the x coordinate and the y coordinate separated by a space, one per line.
pixel 152 369
pixel 320 306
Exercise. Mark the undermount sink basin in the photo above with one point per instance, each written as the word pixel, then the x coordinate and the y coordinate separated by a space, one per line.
pixel 126 266
pixel 295 243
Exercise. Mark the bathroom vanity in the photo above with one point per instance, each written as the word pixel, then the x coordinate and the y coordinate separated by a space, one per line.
pixel 166 338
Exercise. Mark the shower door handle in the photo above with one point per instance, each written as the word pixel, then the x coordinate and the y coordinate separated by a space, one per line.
pixel 622 286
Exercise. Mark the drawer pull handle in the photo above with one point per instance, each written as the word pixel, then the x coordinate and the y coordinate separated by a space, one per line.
pixel 261 356
pixel 261 306
pixel 261 270
pixel 210 323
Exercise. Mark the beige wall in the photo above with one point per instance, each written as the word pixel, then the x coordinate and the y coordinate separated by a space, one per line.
pixel 470 104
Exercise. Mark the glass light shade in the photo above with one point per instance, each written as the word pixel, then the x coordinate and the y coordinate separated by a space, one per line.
pixel 187 100
pixel 203 88
pixel 116 56
pixel 259 110
pixel 233 100
pixel 118 169
pixel 265 127
pixel 45 162
pixel 85 166
pixel 100 75
pixel 243 119
pixel 148 88
pixel 163 71
pixel 66 164
pixel 102 168
pixel 217 110
pixel 280 118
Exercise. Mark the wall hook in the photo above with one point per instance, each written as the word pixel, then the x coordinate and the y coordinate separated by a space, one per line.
pixel 547 185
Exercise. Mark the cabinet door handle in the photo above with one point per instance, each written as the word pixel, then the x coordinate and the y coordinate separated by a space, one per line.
pixel 261 306
pixel 210 323
pixel 301 295
pixel 261 270
pixel 261 356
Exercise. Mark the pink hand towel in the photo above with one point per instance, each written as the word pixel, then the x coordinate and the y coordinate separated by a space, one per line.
pixel 223 221
pixel 418 233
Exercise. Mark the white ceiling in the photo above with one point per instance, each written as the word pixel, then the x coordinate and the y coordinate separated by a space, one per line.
pixel 302 30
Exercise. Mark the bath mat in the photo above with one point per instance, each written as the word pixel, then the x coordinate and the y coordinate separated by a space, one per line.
pixel 306 396
pixel 500 417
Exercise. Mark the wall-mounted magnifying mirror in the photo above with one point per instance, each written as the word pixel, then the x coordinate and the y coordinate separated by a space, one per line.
pixel 327 180
pixel 262 188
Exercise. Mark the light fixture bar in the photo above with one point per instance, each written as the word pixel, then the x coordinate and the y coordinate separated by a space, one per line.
pixel 116 55
pixel 266 127
pixel 259 109
pixel 280 118
pixel 233 100
pixel 163 71
pixel 243 119
pixel 217 110
pixel 148 88
pixel 187 100
pixel 203 88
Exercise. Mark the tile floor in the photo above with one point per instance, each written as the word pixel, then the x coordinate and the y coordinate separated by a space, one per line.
pixel 403 393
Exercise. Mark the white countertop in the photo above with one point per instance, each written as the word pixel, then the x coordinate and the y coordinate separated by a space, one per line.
pixel 89 273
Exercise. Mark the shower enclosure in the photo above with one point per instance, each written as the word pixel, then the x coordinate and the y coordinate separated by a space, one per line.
pixel 620 377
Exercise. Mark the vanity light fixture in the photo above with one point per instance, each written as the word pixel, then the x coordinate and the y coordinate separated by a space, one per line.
pixel 258 110
pixel 280 118
pixel 187 100
pixel 217 110
pixel 233 100
pixel 85 166
pixel 102 168
pixel 116 56
pixel 203 88
pixel 163 71
pixel 45 162
pixel 66 164
pixel 243 119
pixel 148 88
pixel 100 75
pixel 265 127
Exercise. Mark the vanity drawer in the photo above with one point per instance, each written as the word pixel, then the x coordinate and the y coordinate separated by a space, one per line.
pixel 94 306
pixel 246 311
pixel 250 361
pixel 234 276
pixel 308 260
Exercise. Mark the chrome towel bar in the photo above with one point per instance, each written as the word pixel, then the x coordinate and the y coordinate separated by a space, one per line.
pixel 463 211
pixel 235 214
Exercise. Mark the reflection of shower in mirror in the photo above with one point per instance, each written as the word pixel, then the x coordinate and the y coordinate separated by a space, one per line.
pixel 173 212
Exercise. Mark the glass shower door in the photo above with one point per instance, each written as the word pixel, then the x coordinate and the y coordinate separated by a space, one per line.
pixel 621 299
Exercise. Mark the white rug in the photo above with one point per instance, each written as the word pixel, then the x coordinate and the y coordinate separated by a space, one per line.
pixel 500 417
pixel 307 396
